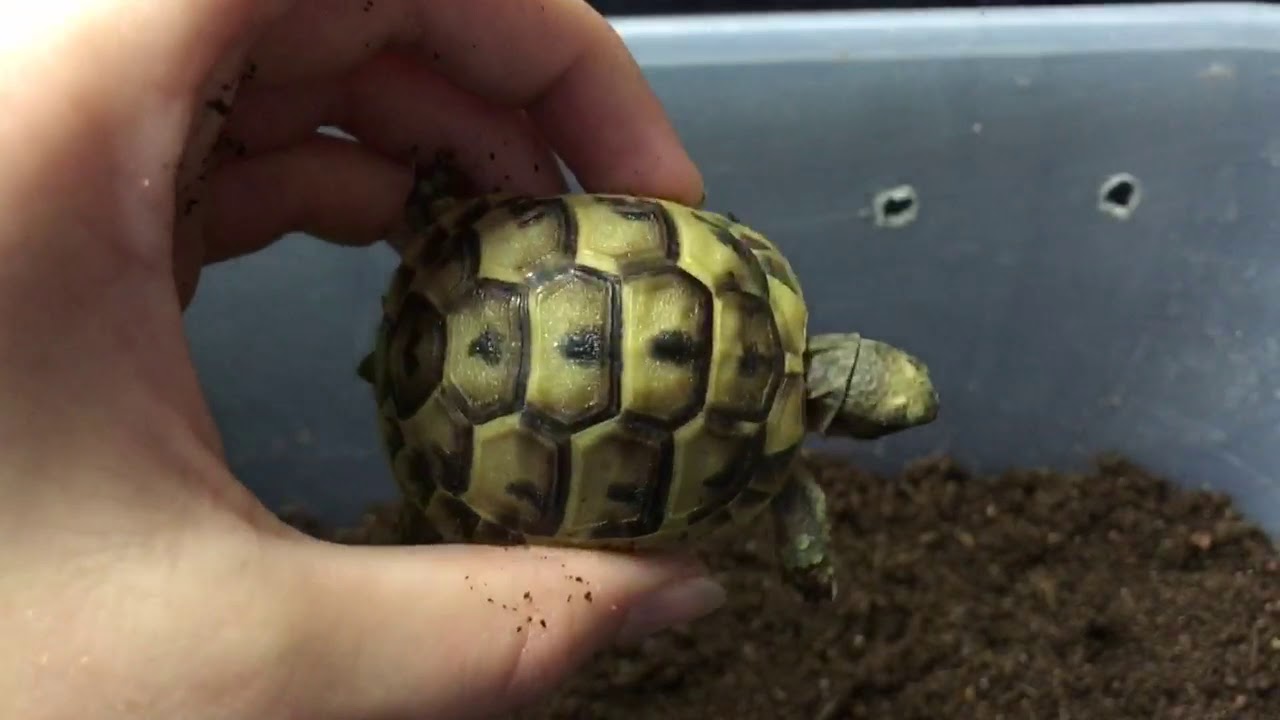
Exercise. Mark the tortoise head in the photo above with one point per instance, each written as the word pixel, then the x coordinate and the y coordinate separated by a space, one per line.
pixel 865 389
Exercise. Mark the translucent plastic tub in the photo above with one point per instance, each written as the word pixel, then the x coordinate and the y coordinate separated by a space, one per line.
pixel 1081 235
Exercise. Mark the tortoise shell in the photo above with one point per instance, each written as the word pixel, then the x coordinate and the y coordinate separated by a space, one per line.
pixel 589 369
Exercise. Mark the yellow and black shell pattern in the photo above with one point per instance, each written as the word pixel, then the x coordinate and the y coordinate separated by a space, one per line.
pixel 591 370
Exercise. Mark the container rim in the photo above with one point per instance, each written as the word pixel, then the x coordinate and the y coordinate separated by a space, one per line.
pixel 756 38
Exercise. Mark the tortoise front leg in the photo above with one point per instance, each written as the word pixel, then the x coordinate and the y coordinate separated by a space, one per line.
pixel 803 535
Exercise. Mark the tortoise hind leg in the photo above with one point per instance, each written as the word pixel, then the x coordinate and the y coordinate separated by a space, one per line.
pixel 413 527
pixel 803 535
pixel 448 520
pixel 438 184
pixel 489 533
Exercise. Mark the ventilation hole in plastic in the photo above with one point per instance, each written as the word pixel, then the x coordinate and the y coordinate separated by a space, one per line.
pixel 1119 196
pixel 896 206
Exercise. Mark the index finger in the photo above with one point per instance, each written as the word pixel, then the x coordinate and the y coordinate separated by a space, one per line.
pixel 559 60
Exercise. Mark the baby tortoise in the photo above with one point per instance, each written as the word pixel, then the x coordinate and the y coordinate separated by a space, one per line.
pixel 616 372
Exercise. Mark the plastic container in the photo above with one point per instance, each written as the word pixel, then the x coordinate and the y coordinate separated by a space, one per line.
pixel 1061 316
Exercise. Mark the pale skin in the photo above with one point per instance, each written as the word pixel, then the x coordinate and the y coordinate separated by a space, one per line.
pixel 138 578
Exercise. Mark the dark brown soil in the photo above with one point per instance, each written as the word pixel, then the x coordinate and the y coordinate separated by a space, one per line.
pixel 1095 596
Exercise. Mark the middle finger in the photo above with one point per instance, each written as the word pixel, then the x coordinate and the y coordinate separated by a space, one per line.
pixel 559 59
pixel 396 107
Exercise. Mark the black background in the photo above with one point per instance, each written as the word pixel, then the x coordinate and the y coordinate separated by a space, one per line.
pixel 642 7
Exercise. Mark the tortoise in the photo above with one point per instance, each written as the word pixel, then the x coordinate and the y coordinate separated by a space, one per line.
pixel 616 372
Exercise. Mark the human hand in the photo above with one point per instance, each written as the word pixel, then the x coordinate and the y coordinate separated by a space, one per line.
pixel 143 140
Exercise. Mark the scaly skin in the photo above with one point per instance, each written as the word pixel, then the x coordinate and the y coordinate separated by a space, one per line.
pixel 859 388
pixel 865 389
pixel 803 536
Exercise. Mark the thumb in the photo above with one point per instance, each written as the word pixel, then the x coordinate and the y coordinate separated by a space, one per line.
pixel 470 631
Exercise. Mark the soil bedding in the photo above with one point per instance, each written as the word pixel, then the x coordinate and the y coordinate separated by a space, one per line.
pixel 1031 594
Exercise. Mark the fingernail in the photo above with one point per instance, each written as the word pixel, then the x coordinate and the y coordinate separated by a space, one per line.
pixel 677 603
